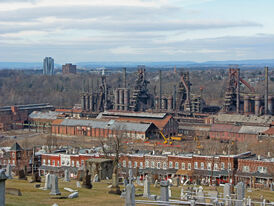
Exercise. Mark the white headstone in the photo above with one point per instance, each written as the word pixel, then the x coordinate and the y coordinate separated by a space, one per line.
pixel 201 195
pixel 182 194
pixel 47 182
pixel 8 171
pixel 73 195
pixel 130 194
pixel 67 176
pixel 96 178
pixel 78 184
pixel 169 191
pixel 54 185
pixel 227 189
pixel 146 187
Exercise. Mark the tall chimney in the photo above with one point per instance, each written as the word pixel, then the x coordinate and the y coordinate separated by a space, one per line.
pixel 125 77
pixel 238 92
pixel 266 90
pixel 160 89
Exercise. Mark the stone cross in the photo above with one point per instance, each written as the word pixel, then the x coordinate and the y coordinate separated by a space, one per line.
pixel 164 191
pixel 67 176
pixel 47 182
pixel 3 178
pixel 146 187
pixel 8 171
pixel 54 185
pixel 130 191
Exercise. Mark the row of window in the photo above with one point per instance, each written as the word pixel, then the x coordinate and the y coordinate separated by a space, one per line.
pixel 259 169
pixel 184 166
pixel 63 163
pixel 5 162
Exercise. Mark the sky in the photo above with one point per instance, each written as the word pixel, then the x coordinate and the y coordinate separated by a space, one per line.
pixel 136 30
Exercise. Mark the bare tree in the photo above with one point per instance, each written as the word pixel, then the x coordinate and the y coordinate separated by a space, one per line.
pixel 113 145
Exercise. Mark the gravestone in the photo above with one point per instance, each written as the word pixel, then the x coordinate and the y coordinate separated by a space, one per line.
pixel 13 191
pixel 96 178
pixel 54 185
pixel 156 183
pixel 169 191
pixel 3 179
pixel 22 175
pixel 227 190
pixel 138 181
pixel 201 195
pixel 182 194
pixel 164 191
pixel 35 177
pixel 130 192
pixel 73 195
pixel 47 182
pixel 240 193
pixel 67 176
pixel 78 184
pixel 86 180
pixel 146 187
pixel 8 171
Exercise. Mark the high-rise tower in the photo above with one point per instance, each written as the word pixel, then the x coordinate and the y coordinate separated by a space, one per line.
pixel 48 66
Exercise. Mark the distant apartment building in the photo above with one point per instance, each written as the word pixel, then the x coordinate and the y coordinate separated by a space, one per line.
pixel 48 66
pixel 69 69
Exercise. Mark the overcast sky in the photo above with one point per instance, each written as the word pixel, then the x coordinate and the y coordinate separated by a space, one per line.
pixel 136 30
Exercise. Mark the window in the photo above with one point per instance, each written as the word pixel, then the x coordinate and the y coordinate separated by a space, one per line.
pixel 158 165
pixel 209 166
pixel 77 163
pixel 222 165
pixel 195 165
pixel 152 164
pixel 202 166
pixel 124 163
pixel 189 166
pixel 170 164
pixel 164 166
pixel 141 165
pixel 129 164
pixel 229 166
pixel 262 169
pixel 82 163
pixel 176 165
pixel 183 166
pixel 13 154
pixel 58 163
pixel 135 164
pixel 72 163
pixel 147 164
pixel 245 168
pixel 215 166
pixel 44 162
pixel 13 162
pixel 48 162
pixel 53 162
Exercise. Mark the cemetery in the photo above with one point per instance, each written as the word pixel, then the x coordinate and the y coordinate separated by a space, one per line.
pixel 87 191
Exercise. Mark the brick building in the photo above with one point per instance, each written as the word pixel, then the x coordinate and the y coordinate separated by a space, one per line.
pixel 164 122
pixel 235 132
pixel 69 69
pixel 256 171
pixel 102 128
pixel 13 117
pixel 19 158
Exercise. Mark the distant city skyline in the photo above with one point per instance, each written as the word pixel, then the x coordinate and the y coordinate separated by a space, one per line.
pixel 136 30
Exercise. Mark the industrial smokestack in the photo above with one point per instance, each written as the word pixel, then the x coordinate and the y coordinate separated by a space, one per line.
pixel 125 77
pixel 160 89
pixel 238 92
pixel 266 90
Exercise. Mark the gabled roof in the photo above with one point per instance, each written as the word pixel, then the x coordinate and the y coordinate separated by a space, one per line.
pixel 16 147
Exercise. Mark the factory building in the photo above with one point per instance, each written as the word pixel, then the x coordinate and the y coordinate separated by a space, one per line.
pixel 103 129
pixel 163 121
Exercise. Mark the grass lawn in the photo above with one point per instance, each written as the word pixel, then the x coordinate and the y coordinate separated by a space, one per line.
pixel 98 195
